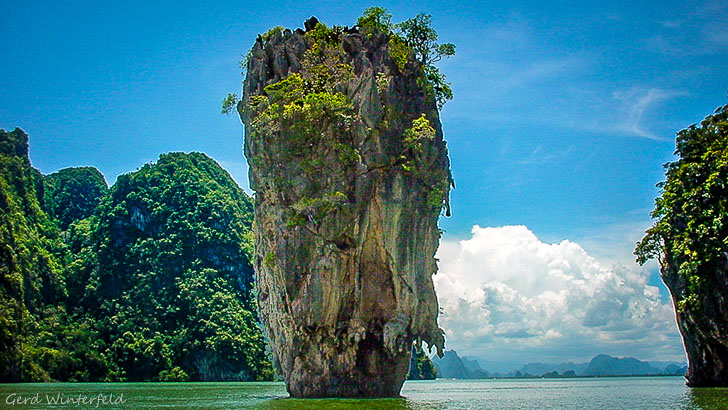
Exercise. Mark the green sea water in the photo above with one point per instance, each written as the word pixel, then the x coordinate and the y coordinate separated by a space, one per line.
pixel 600 393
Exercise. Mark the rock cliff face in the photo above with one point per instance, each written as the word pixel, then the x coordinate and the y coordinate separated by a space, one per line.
pixel 351 173
pixel 705 328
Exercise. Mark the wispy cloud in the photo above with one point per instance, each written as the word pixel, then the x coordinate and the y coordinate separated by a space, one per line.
pixel 636 102
pixel 712 8
pixel 537 71
pixel 540 155
pixel 716 33
pixel 671 23
pixel 524 77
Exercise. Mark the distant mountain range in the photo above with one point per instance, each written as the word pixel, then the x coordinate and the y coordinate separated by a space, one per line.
pixel 453 366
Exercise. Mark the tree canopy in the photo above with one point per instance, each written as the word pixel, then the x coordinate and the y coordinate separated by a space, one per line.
pixel 419 36
pixel 422 38
pixel 690 234
pixel 72 194
pixel 376 17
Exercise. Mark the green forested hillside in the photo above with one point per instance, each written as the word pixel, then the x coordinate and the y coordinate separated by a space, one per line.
pixel 154 283
pixel 173 279
pixel 31 262
pixel 72 194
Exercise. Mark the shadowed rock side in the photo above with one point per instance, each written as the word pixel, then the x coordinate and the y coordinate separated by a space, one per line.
pixel 704 328
pixel 351 172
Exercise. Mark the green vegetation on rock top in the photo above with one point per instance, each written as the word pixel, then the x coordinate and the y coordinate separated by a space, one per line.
pixel 690 236
pixel 414 35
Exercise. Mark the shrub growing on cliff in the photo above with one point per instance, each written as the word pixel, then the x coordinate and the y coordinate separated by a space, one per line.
pixel 415 34
pixel 690 236
pixel 419 35
pixel 229 103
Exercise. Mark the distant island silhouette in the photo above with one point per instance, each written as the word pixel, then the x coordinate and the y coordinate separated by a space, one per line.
pixel 452 366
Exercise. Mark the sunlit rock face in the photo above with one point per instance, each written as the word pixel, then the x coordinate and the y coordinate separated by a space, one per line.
pixel 351 173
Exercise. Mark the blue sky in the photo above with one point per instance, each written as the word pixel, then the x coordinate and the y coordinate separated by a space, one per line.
pixel 563 113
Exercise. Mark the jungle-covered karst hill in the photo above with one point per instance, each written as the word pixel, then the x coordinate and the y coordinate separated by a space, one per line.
pixel 148 280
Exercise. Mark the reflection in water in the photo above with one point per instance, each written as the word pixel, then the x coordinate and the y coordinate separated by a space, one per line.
pixel 706 398
pixel 288 403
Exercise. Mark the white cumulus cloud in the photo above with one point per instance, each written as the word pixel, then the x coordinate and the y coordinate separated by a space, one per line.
pixel 504 294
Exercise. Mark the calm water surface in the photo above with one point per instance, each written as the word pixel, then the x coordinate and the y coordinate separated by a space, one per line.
pixel 605 393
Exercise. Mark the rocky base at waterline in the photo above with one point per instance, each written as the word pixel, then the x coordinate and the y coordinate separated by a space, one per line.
pixel 704 330
pixel 351 173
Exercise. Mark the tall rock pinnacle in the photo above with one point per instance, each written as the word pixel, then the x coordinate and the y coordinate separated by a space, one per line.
pixel 351 173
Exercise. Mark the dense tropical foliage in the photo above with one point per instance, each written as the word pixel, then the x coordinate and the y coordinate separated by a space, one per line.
pixel 150 280
pixel 690 236
pixel 72 194
pixel 31 263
